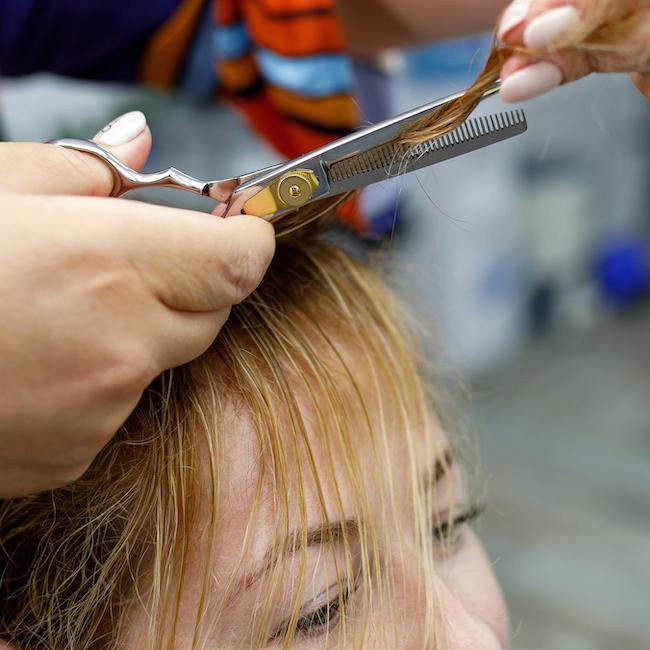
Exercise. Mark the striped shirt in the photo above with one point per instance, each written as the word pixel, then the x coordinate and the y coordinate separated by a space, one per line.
pixel 282 63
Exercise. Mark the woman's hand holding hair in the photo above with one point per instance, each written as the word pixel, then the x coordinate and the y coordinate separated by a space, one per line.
pixel 99 296
pixel 564 40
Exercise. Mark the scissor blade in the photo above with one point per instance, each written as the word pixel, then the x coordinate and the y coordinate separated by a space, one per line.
pixel 391 159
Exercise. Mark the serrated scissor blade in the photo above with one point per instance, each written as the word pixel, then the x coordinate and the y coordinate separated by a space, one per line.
pixel 390 159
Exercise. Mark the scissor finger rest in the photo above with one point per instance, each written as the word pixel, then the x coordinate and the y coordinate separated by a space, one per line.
pixel 127 179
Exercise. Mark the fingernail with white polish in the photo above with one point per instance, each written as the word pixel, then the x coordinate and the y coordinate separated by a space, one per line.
pixel 530 82
pixel 513 16
pixel 551 26
pixel 123 129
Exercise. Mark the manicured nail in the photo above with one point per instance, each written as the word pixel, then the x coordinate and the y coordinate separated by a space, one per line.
pixel 513 16
pixel 548 28
pixel 530 82
pixel 123 129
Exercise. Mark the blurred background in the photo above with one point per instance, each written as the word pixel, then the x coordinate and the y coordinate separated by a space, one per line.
pixel 531 261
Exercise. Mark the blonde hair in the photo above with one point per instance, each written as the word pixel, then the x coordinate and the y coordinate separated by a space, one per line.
pixel 77 560
pixel 604 25
pixel 322 336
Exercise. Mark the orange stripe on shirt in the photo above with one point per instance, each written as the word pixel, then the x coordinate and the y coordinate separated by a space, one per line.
pixel 238 75
pixel 296 36
pixel 290 138
pixel 294 6
pixel 226 12
pixel 165 54
pixel 333 112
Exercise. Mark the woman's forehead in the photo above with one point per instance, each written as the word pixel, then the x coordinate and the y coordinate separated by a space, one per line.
pixel 247 511
pixel 248 474
pixel 313 477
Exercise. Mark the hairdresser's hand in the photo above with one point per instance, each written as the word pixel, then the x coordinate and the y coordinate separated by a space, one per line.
pixel 98 297
pixel 549 28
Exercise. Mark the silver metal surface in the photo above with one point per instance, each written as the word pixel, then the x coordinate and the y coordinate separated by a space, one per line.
pixel 319 160
pixel 390 160
pixel 355 161
pixel 127 179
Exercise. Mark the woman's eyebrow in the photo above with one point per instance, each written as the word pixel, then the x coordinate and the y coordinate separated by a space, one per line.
pixel 333 533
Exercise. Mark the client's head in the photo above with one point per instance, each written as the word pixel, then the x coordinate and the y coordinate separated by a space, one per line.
pixel 292 487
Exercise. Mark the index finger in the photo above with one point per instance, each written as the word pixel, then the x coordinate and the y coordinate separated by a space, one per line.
pixel 630 54
pixel 193 261
pixel 190 261
pixel 591 11
pixel 559 22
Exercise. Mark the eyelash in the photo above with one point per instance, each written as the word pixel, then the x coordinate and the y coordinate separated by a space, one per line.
pixel 447 533
pixel 323 618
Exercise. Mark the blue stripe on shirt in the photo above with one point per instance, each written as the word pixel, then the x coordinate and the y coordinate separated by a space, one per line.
pixel 313 76
pixel 230 42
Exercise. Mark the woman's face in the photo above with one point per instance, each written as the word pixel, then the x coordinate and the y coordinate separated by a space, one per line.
pixel 469 601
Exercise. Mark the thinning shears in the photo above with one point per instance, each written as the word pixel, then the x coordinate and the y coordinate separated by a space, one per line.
pixel 367 156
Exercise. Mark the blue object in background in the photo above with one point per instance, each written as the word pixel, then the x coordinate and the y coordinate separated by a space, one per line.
pixel 623 271
pixel 462 57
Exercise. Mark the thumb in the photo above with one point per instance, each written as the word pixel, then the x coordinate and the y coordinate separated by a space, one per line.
pixel 30 168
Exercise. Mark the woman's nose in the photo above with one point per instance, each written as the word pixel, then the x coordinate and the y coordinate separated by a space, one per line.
pixel 452 627
pixel 456 620
pixel 465 631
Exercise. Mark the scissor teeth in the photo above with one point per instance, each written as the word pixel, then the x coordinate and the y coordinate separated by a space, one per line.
pixel 392 159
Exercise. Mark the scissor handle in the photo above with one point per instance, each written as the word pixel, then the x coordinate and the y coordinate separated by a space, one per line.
pixel 127 179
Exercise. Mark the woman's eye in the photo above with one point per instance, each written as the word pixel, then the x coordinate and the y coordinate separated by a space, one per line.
pixel 446 533
pixel 319 621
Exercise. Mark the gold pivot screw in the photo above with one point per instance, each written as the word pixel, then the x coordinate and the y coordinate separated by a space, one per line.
pixel 296 188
